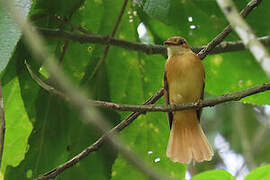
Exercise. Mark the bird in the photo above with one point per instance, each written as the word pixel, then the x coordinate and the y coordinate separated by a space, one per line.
pixel 184 80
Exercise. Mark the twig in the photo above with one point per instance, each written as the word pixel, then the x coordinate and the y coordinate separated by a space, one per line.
pixel 107 47
pixel 250 6
pixel 235 96
pixel 245 33
pixel 73 26
pixel 64 49
pixel 2 125
pixel 77 98
pixel 144 48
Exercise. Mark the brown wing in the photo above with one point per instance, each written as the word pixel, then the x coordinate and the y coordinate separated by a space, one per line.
pixel 167 99
pixel 199 111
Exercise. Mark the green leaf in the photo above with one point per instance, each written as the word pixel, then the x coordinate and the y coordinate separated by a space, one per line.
pixel 18 126
pixel 261 173
pixel 213 175
pixel 9 31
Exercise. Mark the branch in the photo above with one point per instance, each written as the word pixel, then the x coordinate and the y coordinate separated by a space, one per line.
pixel 246 34
pixel 99 39
pixel 235 96
pixel 143 48
pixel 210 48
pixel 223 47
pixel 250 6
pixel 2 125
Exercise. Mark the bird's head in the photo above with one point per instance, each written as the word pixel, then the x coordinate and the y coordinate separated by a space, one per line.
pixel 176 45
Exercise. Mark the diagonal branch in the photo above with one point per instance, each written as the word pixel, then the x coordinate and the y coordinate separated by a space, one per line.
pixel 132 116
pixel 235 96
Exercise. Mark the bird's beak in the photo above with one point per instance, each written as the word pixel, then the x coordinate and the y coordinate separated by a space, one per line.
pixel 167 43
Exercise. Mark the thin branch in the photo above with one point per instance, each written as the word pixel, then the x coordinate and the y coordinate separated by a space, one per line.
pixel 235 96
pixel 144 48
pixel 64 49
pixel 77 98
pixel 246 34
pixel 250 6
pixel 232 46
pixel 107 47
pixel 2 125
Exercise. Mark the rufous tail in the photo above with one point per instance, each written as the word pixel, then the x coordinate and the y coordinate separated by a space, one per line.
pixel 187 140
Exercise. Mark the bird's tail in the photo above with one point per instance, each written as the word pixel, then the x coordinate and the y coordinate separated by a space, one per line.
pixel 187 140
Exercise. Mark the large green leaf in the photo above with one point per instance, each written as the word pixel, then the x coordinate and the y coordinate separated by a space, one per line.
pixel 9 31
pixel 261 173
pixel 18 126
pixel 214 174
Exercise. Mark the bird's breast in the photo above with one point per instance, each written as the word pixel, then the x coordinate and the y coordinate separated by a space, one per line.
pixel 185 76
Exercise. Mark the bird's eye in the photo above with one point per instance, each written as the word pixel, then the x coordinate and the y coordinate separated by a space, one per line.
pixel 180 42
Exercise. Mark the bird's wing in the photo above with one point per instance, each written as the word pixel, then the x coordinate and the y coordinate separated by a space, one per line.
pixel 199 111
pixel 167 99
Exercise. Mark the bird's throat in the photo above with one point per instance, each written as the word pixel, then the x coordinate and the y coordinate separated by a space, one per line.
pixel 176 50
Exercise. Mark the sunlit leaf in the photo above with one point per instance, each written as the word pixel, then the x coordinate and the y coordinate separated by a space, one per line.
pixel 261 173
pixel 212 175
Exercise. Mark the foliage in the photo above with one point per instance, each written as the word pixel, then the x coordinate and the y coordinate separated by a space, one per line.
pixel 44 131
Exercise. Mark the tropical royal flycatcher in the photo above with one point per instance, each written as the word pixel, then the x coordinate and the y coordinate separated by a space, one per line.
pixel 184 83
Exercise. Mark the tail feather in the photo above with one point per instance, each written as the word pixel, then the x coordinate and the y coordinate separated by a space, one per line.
pixel 187 141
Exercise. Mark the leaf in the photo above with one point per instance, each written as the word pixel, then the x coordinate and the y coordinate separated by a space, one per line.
pixel 9 31
pixel 18 125
pixel 213 175
pixel 261 173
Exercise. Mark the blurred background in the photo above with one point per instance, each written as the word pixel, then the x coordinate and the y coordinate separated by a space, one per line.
pixel 44 131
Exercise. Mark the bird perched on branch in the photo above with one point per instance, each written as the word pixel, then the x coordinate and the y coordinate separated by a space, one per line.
pixel 184 83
